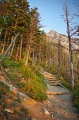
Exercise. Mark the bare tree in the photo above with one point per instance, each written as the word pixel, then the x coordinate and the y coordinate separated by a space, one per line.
pixel 59 61
pixel 67 20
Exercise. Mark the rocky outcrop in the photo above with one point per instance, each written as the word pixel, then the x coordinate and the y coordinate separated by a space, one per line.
pixel 54 36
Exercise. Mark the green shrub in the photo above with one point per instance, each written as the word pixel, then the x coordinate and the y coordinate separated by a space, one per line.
pixel 4 105
pixel 4 88
pixel 21 85
pixel 39 75
pixel 13 75
pixel 54 69
pixel 17 112
pixel 6 62
pixel 36 89
pixel 26 72
pixel 44 65
pixel 76 96
pixel 65 82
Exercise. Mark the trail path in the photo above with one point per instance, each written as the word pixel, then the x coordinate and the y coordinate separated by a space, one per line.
pixel 61 98
pixel 58 106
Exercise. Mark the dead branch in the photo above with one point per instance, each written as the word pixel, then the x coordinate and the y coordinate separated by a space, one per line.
pixel 5 53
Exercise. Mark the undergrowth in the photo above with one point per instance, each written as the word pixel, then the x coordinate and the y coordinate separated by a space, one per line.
pixel 28 79
pixel 65 80
pixel 76 94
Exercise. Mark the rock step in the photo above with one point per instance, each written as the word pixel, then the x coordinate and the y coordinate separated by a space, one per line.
pixel 54 84
pixel 50 77
pixel 56 93
pixel 52 81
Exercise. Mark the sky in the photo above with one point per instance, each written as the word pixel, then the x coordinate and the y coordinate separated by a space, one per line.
pixel 50 12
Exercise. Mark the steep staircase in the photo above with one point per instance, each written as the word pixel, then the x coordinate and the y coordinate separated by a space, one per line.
pixel 53 84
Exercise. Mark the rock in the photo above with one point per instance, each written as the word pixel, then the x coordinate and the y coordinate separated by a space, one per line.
pixel 33 119
pixel 53 36
pixel 45 111
pixel 52 116
pixel 28 101
pixel 14 92
pixel 9 111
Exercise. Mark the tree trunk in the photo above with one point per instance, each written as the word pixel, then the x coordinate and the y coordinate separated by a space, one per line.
pixel 17 53
pixel 70 51
pixel 48 55
pixel 33 58
pixel 59 44
pixel 27 56
pixel 12 48
pixel 21 48
pixel 4 42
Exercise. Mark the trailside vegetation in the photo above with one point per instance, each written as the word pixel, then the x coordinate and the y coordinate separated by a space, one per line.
pixel 24 48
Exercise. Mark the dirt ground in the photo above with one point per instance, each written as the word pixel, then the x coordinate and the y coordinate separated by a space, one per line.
pixel 56 107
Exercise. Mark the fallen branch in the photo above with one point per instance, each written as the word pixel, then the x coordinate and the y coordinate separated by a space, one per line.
pixel 5 53
pixel 3 72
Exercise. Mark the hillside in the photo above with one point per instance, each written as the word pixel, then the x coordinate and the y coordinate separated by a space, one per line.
pixel 54 36
pixel 16 105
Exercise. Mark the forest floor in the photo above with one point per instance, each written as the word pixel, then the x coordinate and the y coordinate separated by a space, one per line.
pixel 18 106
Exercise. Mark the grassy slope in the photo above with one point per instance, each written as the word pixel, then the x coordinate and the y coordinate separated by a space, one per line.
pixel 28 79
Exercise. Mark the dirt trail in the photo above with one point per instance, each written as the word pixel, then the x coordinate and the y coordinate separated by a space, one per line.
pixel 62 101
pixel 58 106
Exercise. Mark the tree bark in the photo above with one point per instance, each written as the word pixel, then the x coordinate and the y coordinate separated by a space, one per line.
pixel 33 58
pixel 27 56
pixel 12 48
pixel 21 48
pixel 4 42
pixel 59 44
pixel 70 50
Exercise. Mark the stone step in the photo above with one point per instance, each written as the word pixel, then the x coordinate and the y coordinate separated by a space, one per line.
pixel 49 77
pixel 57 83
pixel 53 84
pixel 56 93
pixel 52 81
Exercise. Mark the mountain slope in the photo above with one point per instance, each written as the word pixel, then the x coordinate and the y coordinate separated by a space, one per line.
pixel 54 36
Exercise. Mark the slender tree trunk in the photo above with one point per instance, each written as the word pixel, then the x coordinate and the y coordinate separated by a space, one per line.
pixel 48 55
pixel 21 48
pixel 17 53
pixel 11 52
pixel 70 51
pixel 27 56
pixel 40 54
pixel 33 58
pixel 3 48
pixel 53 53
pixel 59 44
